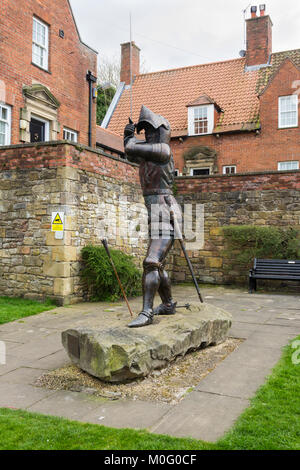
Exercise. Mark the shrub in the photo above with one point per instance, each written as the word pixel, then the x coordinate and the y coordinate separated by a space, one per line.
pixel 100 279
pixel 246 242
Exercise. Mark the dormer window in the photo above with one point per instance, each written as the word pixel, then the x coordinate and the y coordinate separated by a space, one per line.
pixel 201 115
pixel 201 119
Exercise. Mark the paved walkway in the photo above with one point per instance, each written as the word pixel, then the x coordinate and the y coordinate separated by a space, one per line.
pixel 266 321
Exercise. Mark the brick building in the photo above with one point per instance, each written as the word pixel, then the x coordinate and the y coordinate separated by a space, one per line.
pixel 45 87
pixel 233 116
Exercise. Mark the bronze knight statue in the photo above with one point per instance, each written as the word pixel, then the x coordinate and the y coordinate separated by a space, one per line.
pixel 156 167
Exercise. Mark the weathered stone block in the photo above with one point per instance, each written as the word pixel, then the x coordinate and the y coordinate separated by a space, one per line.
pixel 54 269
pixel 114 352
pixel 52 241
pixel 64 253
pixel 214 262
pixel 63 287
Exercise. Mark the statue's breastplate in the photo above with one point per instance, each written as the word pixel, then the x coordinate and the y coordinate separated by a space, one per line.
pixel 157 178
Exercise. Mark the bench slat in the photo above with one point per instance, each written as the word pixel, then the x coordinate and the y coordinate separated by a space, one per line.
pixel 273 276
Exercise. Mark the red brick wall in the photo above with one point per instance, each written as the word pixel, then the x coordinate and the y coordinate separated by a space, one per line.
pixel 248 182
pixel 69 60
pixel 248 151
pixel 62 155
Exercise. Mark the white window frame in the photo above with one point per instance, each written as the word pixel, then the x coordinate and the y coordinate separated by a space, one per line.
pixel 292 162
pixel 210 119
pixel 44 47
pixel 280 112
pixel 204 168
pixel 7 122
pixel 47 126
pixel 72 133
pixel 229 166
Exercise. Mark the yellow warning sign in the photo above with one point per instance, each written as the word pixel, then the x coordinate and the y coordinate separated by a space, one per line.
pixel 57 222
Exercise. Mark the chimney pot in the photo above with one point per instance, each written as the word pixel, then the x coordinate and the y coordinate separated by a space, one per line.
pixel 262 9
pixel 253 12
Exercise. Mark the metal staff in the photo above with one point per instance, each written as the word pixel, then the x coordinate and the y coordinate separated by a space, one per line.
pixel 104 242
pixel 178 231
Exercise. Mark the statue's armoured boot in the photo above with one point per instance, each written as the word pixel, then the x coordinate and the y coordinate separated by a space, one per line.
pixel 168 307
pixel 151 282
pixel 144 319
pixel 165 309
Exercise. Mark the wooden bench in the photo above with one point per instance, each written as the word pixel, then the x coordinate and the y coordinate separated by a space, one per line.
pixel 279 269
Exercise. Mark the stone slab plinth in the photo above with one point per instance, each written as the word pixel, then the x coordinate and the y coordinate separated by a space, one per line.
pixel 111 351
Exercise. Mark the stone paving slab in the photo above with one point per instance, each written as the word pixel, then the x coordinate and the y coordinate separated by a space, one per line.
pixel 71 405
pixel 242 330
pixel 250 355
pixel 12 363
pixel 38 349
pixel 202 416
pixel 23 375
pixel 129 414
pixel 97 410
pixel 234 380
pixel 25 335
pixel 53 361
pixel 21 395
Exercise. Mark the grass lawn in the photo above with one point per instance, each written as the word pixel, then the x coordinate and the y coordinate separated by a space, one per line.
pixel 271 422
pixel 14 309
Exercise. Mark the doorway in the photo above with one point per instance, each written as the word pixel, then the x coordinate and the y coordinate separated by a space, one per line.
pixel 39 130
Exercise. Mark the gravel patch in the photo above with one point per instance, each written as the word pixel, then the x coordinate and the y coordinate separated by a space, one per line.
pixel 168 385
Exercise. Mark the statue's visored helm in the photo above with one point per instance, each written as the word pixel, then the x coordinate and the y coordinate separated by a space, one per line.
pixel 155 120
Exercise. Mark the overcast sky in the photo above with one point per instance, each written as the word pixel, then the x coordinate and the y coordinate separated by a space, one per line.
pixel 176 33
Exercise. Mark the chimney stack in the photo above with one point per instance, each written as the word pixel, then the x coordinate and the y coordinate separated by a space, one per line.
pixel 125 62
pixel 259 37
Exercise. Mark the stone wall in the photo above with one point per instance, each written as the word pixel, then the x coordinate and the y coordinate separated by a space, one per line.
pixel 247 199
pixel 97 193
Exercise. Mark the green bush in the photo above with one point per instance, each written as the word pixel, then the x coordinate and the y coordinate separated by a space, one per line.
pixel 100 279
pixel 246 242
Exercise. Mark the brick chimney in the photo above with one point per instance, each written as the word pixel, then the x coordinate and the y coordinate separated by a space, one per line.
pixel 259 37
pixel 125 62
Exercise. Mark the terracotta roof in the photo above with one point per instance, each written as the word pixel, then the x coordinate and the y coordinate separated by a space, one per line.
pixel 109 139
pixel 225 83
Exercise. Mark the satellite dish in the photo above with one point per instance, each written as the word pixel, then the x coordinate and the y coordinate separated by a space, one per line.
pixel 243 53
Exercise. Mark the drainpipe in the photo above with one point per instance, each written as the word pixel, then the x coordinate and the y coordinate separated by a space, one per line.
pixel 91 79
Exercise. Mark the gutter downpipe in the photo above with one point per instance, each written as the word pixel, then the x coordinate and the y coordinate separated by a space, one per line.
pixel 91 79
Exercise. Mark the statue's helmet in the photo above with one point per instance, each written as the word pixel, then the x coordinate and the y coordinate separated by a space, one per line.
pixel 158 122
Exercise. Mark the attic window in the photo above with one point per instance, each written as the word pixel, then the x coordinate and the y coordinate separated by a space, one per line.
pixel 201 119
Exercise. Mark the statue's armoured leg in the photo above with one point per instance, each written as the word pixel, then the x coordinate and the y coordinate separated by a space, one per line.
pixel 168 307
pixel 153 268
